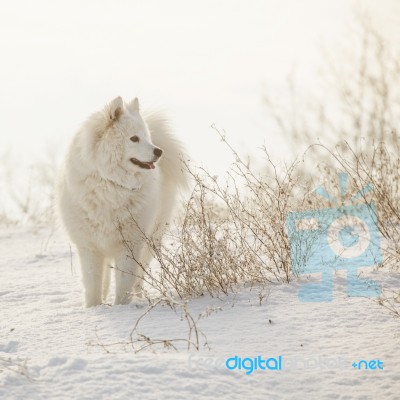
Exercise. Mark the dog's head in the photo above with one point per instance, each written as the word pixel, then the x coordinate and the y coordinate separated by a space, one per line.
pixel 127 127
pixel 121 142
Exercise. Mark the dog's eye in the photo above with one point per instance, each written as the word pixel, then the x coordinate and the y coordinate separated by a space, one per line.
pixel 135 138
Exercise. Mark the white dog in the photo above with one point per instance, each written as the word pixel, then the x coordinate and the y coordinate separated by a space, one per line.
pixel 118 185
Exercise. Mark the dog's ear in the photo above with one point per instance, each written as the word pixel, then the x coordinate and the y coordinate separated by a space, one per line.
pixel 115 108
pixel 134 105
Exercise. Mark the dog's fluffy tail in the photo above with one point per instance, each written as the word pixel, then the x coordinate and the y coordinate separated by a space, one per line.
pixel 174 156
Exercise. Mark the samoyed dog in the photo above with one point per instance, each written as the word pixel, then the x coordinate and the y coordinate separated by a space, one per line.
pixel 117 187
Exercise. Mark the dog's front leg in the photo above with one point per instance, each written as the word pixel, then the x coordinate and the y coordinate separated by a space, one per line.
pixel 92 275
pixel 128 276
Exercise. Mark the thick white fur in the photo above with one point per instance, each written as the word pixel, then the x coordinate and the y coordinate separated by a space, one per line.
pixel 102 197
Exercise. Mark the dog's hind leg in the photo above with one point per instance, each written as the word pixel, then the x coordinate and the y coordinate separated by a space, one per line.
pixel 106 278
pixel 92 263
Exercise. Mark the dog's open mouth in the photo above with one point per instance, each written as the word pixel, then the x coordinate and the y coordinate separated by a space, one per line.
pixel 141 164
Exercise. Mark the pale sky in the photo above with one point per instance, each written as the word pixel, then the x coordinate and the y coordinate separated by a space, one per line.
pixel 203 61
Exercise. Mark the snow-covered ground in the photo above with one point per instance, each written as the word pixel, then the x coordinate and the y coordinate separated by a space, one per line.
pixel 76 353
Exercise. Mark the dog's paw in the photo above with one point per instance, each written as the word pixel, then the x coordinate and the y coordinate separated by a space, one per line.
pixel 139 302
pixel 132 300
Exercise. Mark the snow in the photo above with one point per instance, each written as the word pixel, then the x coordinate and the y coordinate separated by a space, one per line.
pixel 74 353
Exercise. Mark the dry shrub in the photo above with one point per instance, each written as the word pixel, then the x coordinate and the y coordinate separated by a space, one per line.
pixel 234 230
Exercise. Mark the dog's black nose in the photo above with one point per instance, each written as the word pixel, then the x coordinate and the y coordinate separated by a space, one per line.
pixel 157 152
